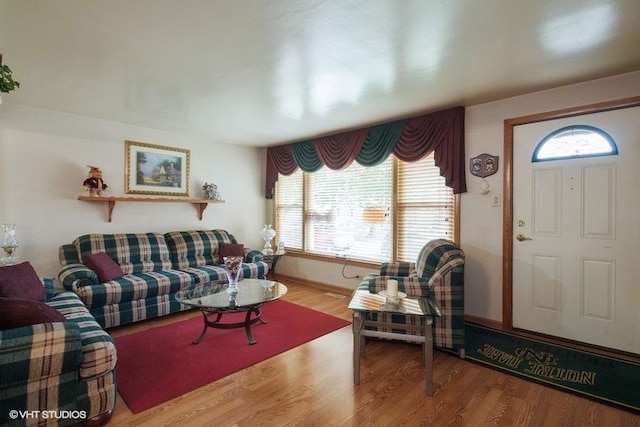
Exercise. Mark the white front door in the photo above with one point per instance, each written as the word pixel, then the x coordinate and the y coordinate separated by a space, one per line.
pixel 576 236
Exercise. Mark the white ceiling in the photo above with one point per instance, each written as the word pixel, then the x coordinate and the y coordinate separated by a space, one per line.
pixel 265 72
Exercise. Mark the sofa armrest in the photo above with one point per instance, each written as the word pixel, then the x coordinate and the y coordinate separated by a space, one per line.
pixel 253 255
pixel 413 286
pixel 39 351
pixel 400 268
pixel 73 276
pixel 444 270
pixel 68 254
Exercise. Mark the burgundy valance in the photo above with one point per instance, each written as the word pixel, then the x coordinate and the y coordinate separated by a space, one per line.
pixel 409 140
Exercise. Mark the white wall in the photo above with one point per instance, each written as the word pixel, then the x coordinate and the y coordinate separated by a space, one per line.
pixel 481 223
pixel 43 158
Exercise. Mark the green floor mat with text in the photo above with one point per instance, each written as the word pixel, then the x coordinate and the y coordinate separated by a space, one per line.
pixel 600 377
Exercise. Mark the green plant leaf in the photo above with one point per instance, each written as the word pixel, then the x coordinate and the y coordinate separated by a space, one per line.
pixel 7 84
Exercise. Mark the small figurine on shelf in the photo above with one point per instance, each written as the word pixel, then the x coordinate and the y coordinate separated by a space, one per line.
pixel 211 191
pixel 94 184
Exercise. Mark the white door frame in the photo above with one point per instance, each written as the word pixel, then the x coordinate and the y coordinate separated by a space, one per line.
pixel 507 234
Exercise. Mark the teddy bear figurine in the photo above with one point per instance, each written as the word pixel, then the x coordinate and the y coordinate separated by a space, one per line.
pixel 94 184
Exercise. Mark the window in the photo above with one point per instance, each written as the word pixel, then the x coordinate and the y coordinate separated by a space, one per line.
pixel 425 207
pixel 289 210
pixel 364 213
pixel 574 141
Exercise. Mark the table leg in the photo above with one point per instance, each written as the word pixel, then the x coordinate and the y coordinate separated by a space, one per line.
pixel 358 320
pixel 428 354
pixel 248 322
pixel 205 315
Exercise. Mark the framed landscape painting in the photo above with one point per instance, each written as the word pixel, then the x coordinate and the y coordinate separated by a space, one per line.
pixel 155 169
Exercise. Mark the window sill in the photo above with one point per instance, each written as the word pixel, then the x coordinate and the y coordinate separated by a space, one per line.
pixel 333 259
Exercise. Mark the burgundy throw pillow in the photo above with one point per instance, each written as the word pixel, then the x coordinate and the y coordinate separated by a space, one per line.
pixel 106 268
pixel 21 281
pixel 16 312
pixel 230 249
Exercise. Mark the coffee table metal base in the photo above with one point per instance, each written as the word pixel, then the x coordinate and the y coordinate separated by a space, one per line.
pixel 248 321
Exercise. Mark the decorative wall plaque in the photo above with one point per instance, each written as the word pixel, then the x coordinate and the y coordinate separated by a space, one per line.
pixel 483 165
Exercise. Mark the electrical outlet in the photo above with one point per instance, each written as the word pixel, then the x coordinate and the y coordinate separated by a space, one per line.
pixel 496 200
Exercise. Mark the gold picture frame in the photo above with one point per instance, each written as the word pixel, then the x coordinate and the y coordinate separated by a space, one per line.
pixel 156 170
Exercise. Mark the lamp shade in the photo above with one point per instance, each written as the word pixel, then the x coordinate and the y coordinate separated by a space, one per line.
pixel 267 234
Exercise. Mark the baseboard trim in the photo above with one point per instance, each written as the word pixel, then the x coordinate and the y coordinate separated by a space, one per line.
pixel 482 321
pixel 319 285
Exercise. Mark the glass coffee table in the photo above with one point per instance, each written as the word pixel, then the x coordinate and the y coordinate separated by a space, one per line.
pixel 363 303
pixel 213 300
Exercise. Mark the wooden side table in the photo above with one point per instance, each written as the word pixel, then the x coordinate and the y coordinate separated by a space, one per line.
pixel 363 302
pixel 271 261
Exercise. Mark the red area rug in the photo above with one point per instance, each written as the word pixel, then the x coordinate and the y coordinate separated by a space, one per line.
pixel 159 364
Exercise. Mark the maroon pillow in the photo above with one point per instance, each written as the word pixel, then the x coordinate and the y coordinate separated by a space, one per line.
pixel 21 281
pixel 230 249
pixel 106 268
pixel 16 312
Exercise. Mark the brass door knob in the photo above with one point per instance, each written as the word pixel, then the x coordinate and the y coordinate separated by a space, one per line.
pixel 521 237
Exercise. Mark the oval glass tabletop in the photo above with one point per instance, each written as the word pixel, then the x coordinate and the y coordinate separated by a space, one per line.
pixel 215 296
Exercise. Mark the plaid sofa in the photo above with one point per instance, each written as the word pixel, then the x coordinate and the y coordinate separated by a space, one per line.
pixel 66 367
pixel 437 273
pixel 156 267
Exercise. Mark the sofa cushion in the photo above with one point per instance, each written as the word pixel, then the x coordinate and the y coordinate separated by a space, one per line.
pixel 398 268
pixel 216 274
pixel 134 287
pixel 106 268
pixel 109 316
pixel 17 312
pixel 134 252
pixel 197 247
pixel 230 249
pixel 21 281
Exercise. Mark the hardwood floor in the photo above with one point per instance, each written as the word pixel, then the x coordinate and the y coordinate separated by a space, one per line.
pixel 312 385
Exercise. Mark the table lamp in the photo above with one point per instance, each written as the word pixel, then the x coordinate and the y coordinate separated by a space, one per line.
pixel 9 244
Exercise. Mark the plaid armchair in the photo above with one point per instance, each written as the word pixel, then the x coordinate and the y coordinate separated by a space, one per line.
pixel 66 369
pixel 437 273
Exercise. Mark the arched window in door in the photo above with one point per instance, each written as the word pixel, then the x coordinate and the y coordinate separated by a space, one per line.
pixel 575 141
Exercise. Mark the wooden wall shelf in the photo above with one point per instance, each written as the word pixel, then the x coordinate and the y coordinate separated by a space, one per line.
pixel 201 204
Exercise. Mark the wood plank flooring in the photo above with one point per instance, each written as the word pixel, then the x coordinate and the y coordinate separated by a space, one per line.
pixel 312 385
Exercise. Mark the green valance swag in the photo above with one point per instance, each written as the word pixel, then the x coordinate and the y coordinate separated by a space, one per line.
pixel 409 140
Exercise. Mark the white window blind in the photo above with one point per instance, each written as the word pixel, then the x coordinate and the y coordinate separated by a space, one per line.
pixel 425 207
pixel 289 210
pixel 340 211
pixel 350 213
